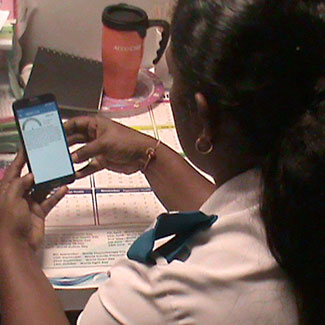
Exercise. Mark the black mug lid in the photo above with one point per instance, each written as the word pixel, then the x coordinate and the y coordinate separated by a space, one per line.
pixel 125 17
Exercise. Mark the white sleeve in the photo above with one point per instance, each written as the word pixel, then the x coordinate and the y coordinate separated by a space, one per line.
pixel 95 313
pixel 129 296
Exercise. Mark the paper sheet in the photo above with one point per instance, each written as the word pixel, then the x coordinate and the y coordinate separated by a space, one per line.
pixel 99 218
pixel 4 14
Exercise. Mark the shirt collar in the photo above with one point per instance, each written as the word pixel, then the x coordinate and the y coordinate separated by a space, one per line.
pixel 241 191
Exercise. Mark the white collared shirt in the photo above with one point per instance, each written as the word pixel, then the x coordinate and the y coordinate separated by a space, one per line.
pixel 230 276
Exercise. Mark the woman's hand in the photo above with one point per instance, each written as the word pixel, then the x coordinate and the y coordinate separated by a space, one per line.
pixel 21 216
pixel 108 144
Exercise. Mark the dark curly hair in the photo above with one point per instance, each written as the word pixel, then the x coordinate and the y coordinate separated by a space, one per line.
pixel 262 61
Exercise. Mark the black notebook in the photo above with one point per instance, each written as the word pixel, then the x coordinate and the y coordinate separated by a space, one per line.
pixel 76 82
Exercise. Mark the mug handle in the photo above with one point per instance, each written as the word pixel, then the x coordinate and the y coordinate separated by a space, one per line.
pixel 165 36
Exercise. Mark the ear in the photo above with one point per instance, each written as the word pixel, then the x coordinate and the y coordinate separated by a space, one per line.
pixel 203 110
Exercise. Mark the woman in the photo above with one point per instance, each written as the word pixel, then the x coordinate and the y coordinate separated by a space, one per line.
pixel 247 100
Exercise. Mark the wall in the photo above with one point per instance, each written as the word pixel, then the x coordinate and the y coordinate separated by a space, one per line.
pixel 74 26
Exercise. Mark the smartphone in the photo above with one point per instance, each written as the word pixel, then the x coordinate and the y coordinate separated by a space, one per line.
pixel 43 137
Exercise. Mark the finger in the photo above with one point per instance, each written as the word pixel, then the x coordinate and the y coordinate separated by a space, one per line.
pixel 48 204
pixel 21 185
pixel 4 188
pixel 77 125
pixel 14 170
pixel 88 151
pixel 77 138
pixel 91 168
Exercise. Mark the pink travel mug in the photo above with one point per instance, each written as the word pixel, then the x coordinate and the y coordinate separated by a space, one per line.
pixel 124 30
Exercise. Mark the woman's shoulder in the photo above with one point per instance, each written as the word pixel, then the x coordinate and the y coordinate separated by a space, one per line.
pixel 228 284
pixel 228 268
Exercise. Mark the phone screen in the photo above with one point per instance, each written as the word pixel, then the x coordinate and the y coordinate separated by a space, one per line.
pixel 45 143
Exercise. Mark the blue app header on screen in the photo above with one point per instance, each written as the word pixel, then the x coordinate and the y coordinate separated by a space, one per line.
pixel 36 110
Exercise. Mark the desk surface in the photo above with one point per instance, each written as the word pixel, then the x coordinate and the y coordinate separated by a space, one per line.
pixel 104 213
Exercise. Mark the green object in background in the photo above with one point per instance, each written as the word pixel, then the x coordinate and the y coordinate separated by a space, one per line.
pixel 9 138
pixel 9 147
pixel 7 32
pixel 9 126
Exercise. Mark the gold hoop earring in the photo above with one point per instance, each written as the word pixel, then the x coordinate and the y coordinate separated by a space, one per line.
pixel 203 145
